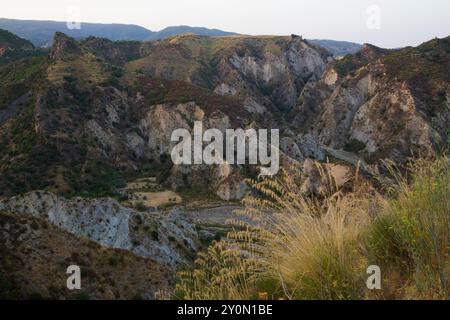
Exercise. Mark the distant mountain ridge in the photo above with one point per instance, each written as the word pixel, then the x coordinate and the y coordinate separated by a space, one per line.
pixel 338 48
pixel 41 33
pixel 200 31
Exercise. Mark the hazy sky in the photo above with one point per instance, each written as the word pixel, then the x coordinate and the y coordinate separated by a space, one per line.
pixel 393 23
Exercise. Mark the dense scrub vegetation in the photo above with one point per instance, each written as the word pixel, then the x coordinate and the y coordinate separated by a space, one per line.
pixel 18 78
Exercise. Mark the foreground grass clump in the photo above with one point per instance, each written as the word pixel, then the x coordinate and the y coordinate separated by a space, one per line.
pixel 296 247
pixel 223 273
pixel 293 247
pixel 310 247
pixel 411 240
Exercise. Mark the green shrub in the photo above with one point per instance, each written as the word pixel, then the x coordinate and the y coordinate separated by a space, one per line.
pixel 34 226
pixel 140 206
pixel 155 236
pixel 114 260
pixel 354 145
pixel 7 290
pixel 413 236
pixel 83 296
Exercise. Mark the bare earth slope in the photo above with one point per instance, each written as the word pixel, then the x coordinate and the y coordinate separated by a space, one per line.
pixel 36 254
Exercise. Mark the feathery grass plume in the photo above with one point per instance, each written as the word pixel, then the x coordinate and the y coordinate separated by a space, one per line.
pixel 293 246
pixel 223 273
pixel 319 247
pixel 411 240
pixel 310 244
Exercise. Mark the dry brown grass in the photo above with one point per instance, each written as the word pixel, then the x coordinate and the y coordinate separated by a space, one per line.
pixel 320 248
pixel 294 247
pixel 157 199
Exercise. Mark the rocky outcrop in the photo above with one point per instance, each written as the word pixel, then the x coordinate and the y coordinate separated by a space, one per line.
pixel 106 222
pixel 380 104
pixel 64 46
pixel 302 147
pixel 161 120
pixel 283 73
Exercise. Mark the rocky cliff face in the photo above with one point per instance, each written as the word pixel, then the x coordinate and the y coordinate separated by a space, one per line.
pixel 105 109
pixel 63 47
pixel 381 104
pixel 281 72
pixel 266 73
pixel 155 130
pixel 106 222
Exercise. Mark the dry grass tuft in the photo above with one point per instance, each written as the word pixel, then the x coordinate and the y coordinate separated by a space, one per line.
pixel 298 247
